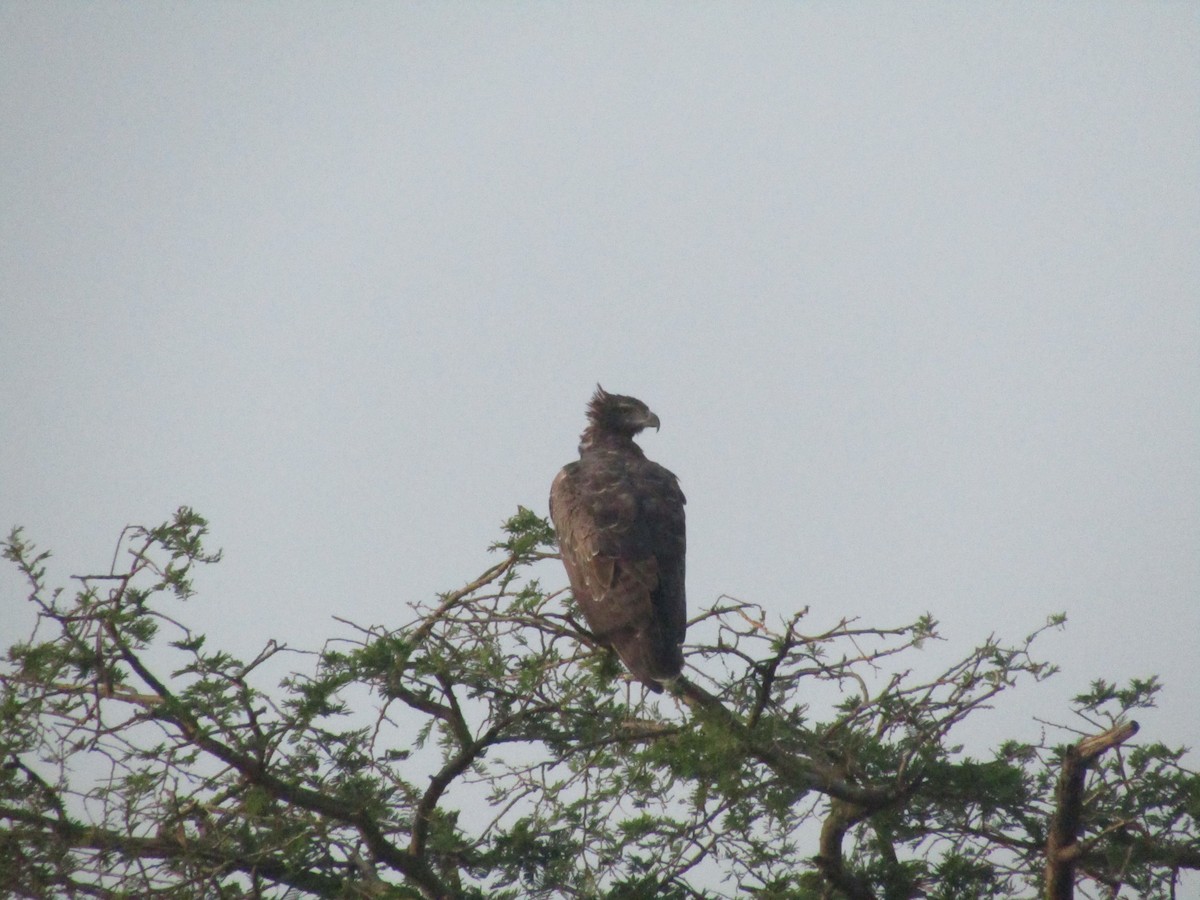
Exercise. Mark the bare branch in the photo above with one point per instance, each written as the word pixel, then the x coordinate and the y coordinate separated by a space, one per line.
pixel 1062 851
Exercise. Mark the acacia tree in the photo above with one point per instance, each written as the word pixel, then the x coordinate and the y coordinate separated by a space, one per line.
pixel 489 747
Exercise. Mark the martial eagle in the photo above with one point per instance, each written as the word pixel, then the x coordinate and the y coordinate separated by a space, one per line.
pixel 620 524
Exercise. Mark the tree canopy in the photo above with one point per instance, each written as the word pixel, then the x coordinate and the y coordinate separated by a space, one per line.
pixel 488 747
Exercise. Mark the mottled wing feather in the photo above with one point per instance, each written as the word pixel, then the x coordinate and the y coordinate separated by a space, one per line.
pixel 621 532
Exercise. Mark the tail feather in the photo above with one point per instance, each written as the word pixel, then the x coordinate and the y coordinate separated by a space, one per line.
pixel 653 662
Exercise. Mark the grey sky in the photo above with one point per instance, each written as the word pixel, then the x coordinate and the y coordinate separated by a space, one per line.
pixel 914 290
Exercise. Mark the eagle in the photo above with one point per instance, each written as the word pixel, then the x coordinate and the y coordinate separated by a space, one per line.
pixel 620 524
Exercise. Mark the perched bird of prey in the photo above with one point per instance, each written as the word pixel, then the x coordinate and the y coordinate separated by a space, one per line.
pixel 620 524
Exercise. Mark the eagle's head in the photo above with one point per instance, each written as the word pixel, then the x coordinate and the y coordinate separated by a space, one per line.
pixel 618 414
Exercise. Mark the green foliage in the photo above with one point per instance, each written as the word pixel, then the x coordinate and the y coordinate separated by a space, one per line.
pixel 488 747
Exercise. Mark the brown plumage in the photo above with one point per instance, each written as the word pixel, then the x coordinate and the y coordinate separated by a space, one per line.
pixel 620 524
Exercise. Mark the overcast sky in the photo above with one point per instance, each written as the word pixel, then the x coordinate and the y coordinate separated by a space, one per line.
pixel 915 290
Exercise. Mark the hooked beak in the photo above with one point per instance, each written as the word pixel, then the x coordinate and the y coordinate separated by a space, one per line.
pixel 652 421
